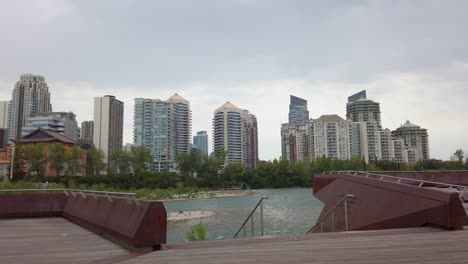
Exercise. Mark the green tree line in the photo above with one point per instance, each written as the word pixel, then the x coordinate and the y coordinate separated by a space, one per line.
pixel 204 172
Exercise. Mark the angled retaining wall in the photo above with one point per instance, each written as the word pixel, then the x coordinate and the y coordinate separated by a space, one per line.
pixel 385 205
pixel 132 223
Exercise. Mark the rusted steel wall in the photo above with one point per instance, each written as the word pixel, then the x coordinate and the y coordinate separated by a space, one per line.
pixel 385 205
pixel 134 224
pixel 131 223
pixel 31 205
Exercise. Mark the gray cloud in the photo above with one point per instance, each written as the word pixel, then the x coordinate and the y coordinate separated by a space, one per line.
pixel 410 55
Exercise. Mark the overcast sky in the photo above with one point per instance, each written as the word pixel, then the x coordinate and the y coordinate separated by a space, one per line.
pixel 411 56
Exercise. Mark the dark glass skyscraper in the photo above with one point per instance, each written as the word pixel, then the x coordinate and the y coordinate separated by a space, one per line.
pixel 298 112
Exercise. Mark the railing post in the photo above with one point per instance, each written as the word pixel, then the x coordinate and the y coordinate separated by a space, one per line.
pixel 261 219
pixel 252 223
pixel 346 213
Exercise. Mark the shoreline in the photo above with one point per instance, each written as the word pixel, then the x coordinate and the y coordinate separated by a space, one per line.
pixel 183 216
pixel 210 195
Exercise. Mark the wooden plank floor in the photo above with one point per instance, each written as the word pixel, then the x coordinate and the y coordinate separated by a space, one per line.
pixel 54 240
pixel 420 245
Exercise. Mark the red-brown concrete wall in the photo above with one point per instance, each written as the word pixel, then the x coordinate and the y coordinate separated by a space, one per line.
pixel 132 224
pixel 136 225
pixel 383 205
pixel 31 205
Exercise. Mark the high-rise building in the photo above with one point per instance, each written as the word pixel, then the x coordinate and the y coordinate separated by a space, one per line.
pixel 200 142
pixel 328 136
pixel 386 145
pixel 62 122
pixel 164 128
pixel 30 96
pixel 366 141
pixel 416 139
pixel 87 131
pixel 4 114
pixel 4 105
pixel 235 131
pixel 288 142
pixel 108 125
pixel 361 95
pixel 365 115
pixel 298 112
pixel 332 136
pixel 250 140
pixel 361 109
pixel 227 132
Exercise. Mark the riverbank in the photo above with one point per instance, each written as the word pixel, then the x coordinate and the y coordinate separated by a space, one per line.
pixel 209 195
pixel 168 194
pixel 181 216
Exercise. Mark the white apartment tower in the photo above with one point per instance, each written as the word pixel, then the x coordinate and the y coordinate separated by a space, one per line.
pixel 30 96
pixel 328 136
pixel 164 128
pixel 235 131
pixel 366 116
pixel 416 140
pixel 227 132
pixel 108 124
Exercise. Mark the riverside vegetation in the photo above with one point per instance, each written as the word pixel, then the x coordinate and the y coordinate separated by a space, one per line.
pixel 197 173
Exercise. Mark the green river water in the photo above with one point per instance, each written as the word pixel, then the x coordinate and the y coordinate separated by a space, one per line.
pixel 286 212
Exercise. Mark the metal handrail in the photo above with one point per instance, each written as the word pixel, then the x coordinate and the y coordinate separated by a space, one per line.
pixel 71 191
pixel 343 200
pixel 250 217
pixel 397 177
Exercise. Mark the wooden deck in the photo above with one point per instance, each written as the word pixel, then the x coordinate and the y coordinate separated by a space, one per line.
pixel 420 245
pixel 56 240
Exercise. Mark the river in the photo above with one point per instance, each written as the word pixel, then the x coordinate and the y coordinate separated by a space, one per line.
pixel 286 212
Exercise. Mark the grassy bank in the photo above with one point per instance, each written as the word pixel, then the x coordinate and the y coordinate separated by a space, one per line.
pixel 142 193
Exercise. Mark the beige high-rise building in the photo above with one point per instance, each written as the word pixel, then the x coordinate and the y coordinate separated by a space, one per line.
pixel 235 132
pixel 4 123
pixel 108 124
pixel 328 136
pixel 4 114
pixel 30 96
pixel 415 138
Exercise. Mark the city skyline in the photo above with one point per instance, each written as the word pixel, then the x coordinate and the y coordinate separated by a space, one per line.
pixel 416 72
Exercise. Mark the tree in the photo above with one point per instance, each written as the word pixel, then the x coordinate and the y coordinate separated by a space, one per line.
pixel 122 159
pixel 56 154
pixel 19 163
pixel 232 173
pixel 95 162
pixel 72 160
pixel 458 156
pixel 34 156
pixel 141 159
